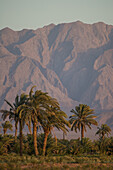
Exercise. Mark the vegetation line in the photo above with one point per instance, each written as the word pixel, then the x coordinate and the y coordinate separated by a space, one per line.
pixel 38 110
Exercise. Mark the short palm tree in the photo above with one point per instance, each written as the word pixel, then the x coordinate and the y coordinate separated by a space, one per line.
pixel 7 125
pixel 11 114
pixel 83 116
pixel 103 130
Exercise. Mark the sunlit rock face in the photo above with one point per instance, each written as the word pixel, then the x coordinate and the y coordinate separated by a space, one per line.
pixel 73 62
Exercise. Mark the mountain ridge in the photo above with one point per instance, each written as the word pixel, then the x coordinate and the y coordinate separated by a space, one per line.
pixel 73 62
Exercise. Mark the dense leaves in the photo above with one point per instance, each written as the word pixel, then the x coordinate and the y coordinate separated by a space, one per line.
pixel 63 147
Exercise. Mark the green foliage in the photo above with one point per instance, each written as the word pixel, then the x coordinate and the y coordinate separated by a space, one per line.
pixel 63 147
pixel 83 117
pixel 103 130
pixel 105 146
pixel 42 111
pixel 5 143
pixel 7 125
pixel 76 147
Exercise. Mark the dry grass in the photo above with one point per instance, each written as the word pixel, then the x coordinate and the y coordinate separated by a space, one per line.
pixel 15 162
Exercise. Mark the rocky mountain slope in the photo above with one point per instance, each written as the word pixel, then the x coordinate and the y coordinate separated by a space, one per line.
pixel 73 62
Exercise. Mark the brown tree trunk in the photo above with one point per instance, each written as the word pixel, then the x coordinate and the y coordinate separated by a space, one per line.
pixel 102 136
pixel 15 131
pixel 46 133
pixel 5 130
pixel 82 133
pixel 21 137
pixel 35 138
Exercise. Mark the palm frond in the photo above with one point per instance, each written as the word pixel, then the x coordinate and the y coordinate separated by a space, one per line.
pixel 9 104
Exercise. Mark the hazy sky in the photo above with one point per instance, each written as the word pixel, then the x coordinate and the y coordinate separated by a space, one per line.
pixel 19 14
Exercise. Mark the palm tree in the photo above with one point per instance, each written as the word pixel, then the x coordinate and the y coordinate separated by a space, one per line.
pixel 7 125
pixel 15 113
pixel 56 119
pixel 103 130
pixel 21 116
pixel 82 117
pixel 12 113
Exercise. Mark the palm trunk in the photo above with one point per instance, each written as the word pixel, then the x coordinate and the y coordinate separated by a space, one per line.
pixel 46 133
pixel 15 131
pixel 5 130
pixel 82 133
pixel 35 138
pixel 21 137
pixel 102 137
pixel 56 140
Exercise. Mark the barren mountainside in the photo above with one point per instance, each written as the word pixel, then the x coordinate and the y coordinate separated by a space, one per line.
pixel 73 62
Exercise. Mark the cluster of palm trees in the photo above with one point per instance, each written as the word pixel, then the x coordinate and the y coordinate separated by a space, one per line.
pixel 39 110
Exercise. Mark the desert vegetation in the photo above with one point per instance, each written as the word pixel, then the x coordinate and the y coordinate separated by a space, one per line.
pixel 37 110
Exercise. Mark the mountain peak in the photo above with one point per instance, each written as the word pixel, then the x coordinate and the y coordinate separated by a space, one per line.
pixel 7 29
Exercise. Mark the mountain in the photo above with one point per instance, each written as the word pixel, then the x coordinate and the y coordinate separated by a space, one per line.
pixel 73 62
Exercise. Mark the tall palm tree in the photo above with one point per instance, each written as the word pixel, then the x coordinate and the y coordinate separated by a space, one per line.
pixel 103 130
pixel 56 119
pixel 21 118
pixel 12 113
pixel 15 113
pixel 82 117
pixel 7 125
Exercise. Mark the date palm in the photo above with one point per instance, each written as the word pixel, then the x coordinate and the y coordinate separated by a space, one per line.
pixel 7 125
pixel 15 113
pixel 83 116
pixel 56 119
pixel 12 113
pixel 103 130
